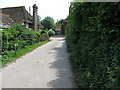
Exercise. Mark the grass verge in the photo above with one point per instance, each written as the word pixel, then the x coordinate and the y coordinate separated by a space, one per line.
pixel 11 56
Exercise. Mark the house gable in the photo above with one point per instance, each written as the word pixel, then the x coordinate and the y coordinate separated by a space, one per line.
pixel 21 15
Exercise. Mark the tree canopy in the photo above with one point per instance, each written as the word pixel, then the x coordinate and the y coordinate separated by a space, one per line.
pixel 48 22
pixel 59 22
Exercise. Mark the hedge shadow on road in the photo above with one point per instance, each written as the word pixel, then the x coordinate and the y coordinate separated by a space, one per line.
pixel 63 67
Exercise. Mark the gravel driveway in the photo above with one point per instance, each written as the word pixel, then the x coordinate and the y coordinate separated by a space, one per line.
pixel 45 67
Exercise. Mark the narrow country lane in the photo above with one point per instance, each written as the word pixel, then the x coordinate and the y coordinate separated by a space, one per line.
pixel 45 67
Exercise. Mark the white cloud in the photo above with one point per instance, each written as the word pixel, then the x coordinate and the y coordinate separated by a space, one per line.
pixel 58 9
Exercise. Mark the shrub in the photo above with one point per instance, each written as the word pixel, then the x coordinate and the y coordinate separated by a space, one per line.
pixel 51 33
pixel 18 37
pixel 44 35
pixel 43 31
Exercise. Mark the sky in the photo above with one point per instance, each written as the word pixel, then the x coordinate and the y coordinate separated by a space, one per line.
pixel 58 9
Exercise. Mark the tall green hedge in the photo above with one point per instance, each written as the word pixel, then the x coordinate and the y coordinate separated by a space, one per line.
pixel 93 39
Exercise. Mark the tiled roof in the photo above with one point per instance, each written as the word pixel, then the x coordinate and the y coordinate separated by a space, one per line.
pixel 6 21
pixel 18 14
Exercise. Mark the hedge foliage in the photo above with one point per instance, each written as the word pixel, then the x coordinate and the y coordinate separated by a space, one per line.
pixel 44 35
pixel 93 39
pixel 17 38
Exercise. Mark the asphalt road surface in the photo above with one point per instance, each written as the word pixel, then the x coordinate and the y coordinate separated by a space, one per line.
pixel 45 67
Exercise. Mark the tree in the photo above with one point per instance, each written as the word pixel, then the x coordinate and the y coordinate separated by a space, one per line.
pixel 39 19
pixel 48 23
pixel 59 22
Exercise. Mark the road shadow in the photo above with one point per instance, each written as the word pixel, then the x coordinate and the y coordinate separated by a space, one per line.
pixel 65 78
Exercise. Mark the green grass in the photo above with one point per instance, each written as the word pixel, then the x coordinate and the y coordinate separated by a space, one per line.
pixel 11 56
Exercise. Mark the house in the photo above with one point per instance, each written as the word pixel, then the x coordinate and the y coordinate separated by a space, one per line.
pixel 58 29
pixel 61 29
pixel 12 15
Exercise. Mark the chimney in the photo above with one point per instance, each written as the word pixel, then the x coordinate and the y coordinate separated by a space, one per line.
pixel 30 10
pixel 35 24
